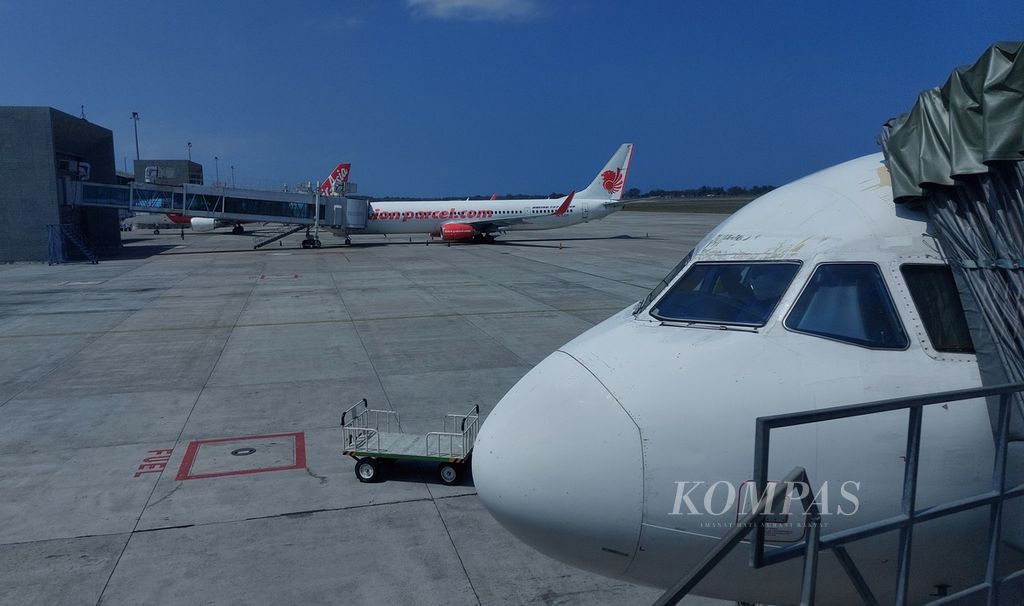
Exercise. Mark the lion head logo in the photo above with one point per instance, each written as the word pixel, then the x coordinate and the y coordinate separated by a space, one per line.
pixel 612 180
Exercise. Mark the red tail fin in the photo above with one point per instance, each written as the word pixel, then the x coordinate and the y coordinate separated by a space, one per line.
pixel 338 177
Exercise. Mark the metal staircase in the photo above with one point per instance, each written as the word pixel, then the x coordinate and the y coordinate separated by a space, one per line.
pixel 284 234
pixel 58 233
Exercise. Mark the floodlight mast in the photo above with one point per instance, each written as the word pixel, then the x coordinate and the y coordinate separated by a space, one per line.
pixel 135 119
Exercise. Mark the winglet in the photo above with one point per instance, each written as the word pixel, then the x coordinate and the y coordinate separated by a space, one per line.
pixel 494 196
pixel 565 205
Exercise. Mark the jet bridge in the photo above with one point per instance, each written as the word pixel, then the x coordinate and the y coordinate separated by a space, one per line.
pixel 229 204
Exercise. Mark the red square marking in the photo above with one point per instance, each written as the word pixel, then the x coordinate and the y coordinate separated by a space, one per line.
pixel 213 463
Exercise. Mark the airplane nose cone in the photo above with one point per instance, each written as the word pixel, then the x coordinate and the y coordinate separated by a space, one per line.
pixel 559 464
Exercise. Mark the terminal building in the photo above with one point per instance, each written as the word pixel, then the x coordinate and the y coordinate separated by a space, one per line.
pixel 41 149
pixel 168 172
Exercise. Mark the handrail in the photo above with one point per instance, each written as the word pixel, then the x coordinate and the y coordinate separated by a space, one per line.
pixel 364 425
pixel 732 538
pixel 467 428
pixel 362 402
pixel 905 522
pixel 475 411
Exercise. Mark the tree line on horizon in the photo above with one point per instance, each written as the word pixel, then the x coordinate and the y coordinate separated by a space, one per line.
pixel 703 191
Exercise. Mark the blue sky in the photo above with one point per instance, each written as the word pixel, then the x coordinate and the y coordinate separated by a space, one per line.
pixel 434 97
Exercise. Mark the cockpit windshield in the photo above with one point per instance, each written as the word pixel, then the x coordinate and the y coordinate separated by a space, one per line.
pixel 742 293
pixel 663 284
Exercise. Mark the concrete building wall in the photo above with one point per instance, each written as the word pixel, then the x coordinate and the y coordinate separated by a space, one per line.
pixel 80 140
pixel 83 140
pixel 28 188
pixel 32 141
pixel 169 172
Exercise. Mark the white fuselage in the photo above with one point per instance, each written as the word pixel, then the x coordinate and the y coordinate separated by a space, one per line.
pixel 427 216
pixel 582 459
pixel 154 221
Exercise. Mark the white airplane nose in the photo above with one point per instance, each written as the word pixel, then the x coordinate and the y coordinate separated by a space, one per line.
pixel 559 463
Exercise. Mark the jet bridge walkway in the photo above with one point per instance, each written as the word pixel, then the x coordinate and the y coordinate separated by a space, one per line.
pixel 992 590
pixel 308 209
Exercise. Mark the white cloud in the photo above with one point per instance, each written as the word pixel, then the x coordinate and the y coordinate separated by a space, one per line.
pixel 476 10
pixel 340 23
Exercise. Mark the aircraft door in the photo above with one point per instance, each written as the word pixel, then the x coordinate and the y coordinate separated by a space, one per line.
pixel 585 210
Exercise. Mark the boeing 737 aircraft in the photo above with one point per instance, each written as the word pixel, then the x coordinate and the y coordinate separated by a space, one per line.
pixel 626 452
pixel 469 220
pixel 481 221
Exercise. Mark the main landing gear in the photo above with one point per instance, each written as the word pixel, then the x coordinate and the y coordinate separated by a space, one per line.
pixel 238 229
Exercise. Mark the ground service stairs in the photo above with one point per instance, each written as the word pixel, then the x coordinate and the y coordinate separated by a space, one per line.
pixel 58 234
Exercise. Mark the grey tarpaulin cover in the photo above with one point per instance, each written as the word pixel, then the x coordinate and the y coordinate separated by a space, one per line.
pixel 960 152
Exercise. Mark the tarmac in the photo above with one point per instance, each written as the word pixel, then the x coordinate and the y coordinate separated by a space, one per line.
pixel 169 420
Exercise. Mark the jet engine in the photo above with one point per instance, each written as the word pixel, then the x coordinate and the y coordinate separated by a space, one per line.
pixel 457 231
pixel 203 223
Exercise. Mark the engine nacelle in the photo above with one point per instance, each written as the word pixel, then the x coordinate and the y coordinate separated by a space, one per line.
pixel 457 231
pixel 203 223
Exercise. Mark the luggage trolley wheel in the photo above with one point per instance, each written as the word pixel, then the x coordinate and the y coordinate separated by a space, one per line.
pixel 450 473
pixel 368 469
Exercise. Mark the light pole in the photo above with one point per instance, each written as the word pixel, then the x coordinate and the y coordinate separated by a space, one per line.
pixel 216 170
pixel 232 176
pixel 189 151
pixel 135 119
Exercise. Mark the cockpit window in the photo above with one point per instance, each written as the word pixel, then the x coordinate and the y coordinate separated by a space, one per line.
pixel 727 293
pixel 849 302
pixel 934 292
pixel 663 284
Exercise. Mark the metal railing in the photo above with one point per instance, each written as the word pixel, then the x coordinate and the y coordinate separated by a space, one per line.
pixel 459 435
pixel 814 542
pixel 57 250
pixel 361 426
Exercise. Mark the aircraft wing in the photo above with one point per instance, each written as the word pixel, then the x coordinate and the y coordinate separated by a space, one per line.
pixel 625 202
pixel 492 224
